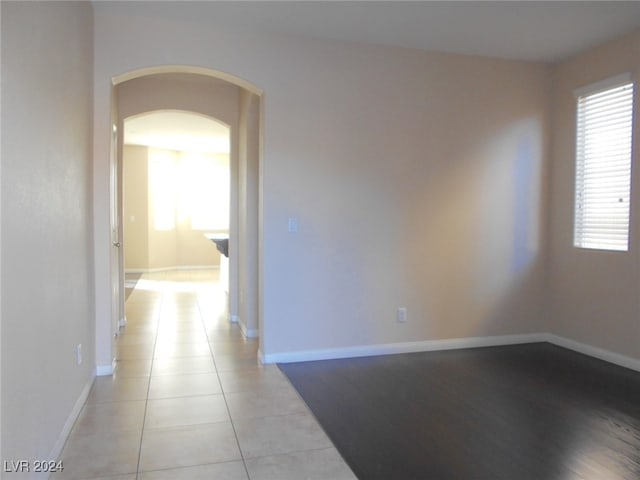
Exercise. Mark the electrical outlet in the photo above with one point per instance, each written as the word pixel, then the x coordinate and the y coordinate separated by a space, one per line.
pixel 401 315
pixel 79 353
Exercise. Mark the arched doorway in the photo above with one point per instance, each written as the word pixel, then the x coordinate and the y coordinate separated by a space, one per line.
pixel 176 182
pixel 238 104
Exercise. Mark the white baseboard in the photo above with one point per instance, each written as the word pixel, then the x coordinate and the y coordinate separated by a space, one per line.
pixel 404 347
pixel 449 344
pixel 105 370
pixel 596 352
pixel 66 430
pixel 243 328
pixel 248 332
pixel 171 269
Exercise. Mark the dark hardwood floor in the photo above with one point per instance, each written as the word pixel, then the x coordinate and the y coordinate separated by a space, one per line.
pixel 533 411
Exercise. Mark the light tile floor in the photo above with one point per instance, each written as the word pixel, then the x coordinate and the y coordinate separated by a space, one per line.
pixel 189 399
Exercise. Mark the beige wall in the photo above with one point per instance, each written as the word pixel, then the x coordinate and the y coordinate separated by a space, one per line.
pixel 47 251
pixel 145 247
pixel 136 205
pixel 248 218
pixel 418 179
pixel 594 295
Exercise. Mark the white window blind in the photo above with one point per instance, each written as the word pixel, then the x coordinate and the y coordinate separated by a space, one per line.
pixel 603 167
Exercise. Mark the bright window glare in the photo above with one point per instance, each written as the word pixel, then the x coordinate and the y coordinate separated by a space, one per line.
pixel 189 187
pixel 205 192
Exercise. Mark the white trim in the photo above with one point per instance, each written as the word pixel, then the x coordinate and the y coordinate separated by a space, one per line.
pixel 106 370
pixel 248 332
pixel 450 344
pixel 605 84
pixel 404 347
pixel 596 352
pixel 71 419
pixel 241 82
pixel 172 269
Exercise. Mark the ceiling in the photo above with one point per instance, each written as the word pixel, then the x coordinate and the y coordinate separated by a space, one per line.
pixel 546 31
pixel 543 31
pixel 177 130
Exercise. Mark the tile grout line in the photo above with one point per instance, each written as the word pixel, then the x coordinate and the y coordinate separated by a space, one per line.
pixel 224 396
pixel 146 401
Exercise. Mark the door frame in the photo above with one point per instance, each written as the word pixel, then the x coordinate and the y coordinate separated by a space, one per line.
pixel 116 205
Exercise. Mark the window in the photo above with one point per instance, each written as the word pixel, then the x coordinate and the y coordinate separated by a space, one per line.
pixel 189 187
pixel 603 164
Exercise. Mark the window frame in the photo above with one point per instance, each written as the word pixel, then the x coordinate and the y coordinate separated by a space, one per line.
pixel 579 240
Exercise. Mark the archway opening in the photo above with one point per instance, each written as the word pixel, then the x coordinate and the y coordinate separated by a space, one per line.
pixel 235 103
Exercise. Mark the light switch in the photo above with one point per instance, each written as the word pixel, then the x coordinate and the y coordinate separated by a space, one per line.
pixel 293 225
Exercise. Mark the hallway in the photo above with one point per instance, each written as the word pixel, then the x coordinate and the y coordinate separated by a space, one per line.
pixel 189 400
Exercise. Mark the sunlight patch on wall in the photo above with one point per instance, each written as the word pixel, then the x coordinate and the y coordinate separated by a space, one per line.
pixel 189 188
